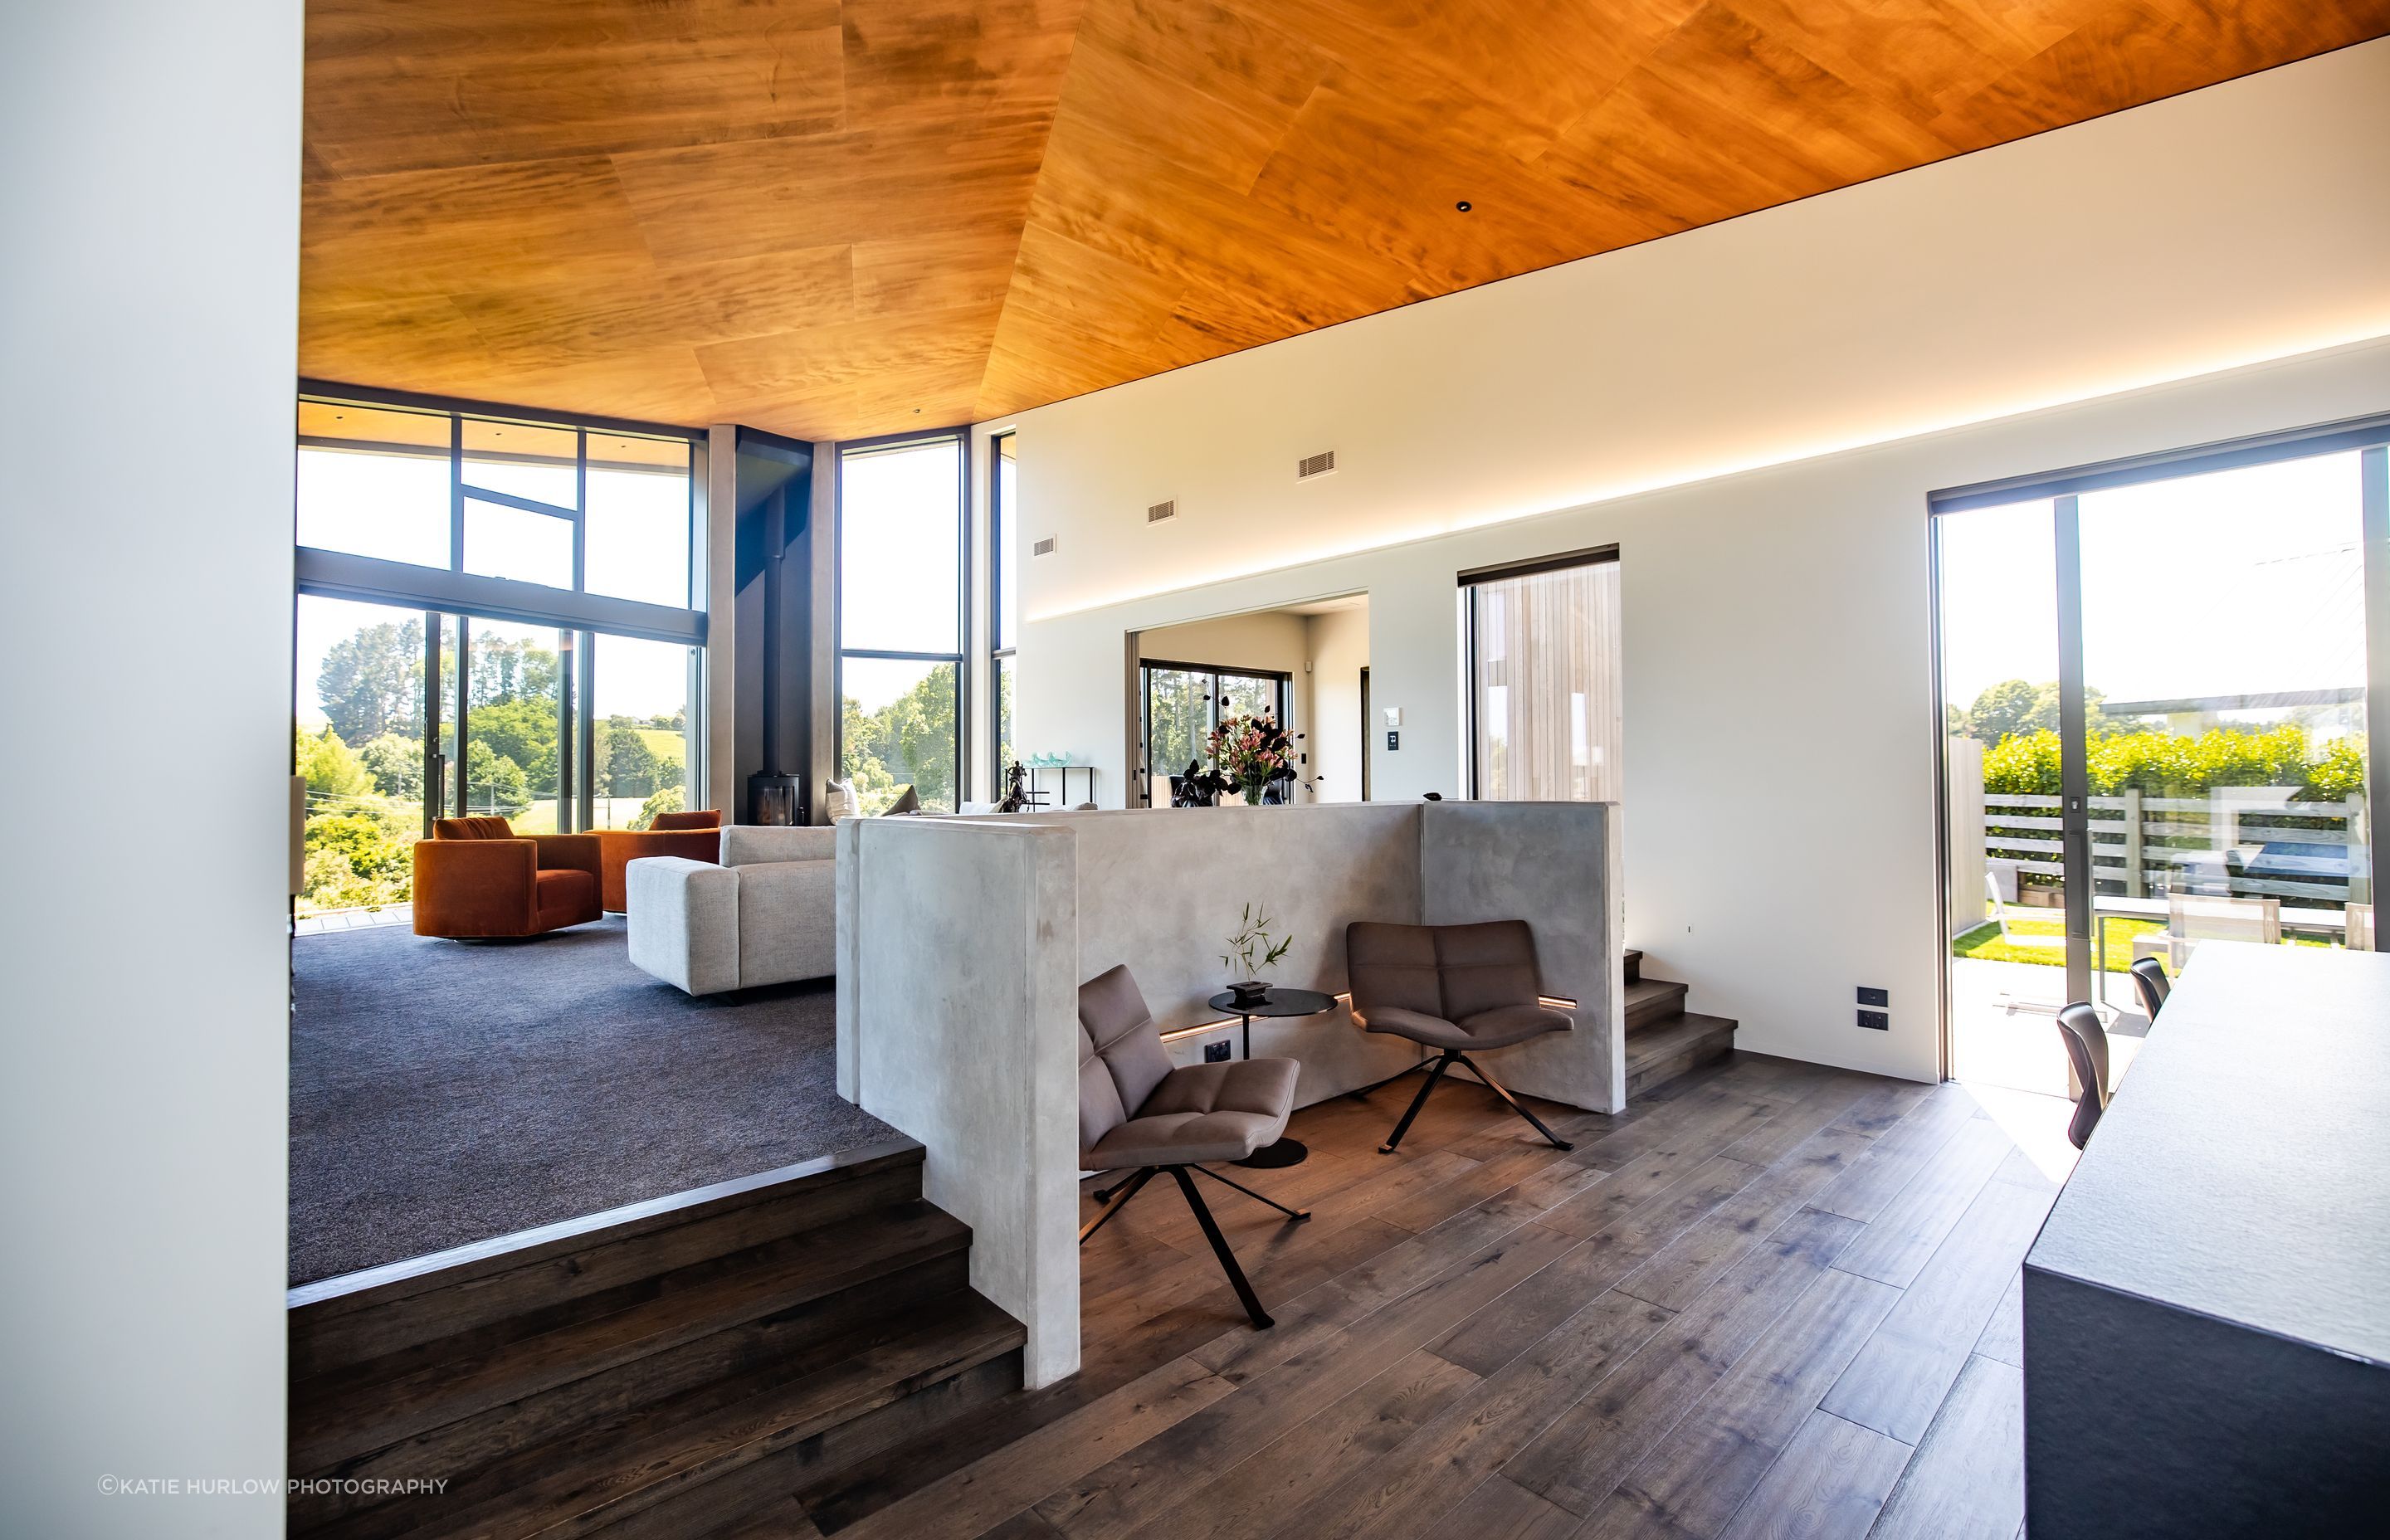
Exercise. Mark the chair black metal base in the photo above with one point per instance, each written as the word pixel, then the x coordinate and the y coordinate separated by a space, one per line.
pixel 1115 1199
pixel 1435 1073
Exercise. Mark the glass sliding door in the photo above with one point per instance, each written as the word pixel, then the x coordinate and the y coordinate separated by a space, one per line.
pixel 639 730
pixel 1544 680
pixel 1998 622
pixel 1177 716
pixel 359 716
pixel 2168 738
pixel 519 725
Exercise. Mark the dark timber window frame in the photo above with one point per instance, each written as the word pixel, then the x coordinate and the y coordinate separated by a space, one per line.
pixel 438 593
pixel 1470 582
pixel 1146 668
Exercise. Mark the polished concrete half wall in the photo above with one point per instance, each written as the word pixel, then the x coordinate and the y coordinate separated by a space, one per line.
pixel 962 942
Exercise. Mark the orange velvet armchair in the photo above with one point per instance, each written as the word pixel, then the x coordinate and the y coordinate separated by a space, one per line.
pixel 476 876
pixel 691 836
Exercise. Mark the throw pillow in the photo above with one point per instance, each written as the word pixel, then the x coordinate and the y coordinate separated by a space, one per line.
pixel 841 802
pixel 906 801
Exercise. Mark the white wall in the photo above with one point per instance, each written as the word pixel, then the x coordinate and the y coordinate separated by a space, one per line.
pixel 1773 606
pixel 1338 650
pixel 149 284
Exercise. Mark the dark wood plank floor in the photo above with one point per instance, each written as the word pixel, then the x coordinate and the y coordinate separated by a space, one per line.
pixel 1776 1299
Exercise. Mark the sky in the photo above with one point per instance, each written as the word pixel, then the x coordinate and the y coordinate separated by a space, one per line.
pixel 2234 583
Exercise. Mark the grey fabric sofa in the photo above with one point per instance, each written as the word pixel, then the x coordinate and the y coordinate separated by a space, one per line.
pixel 767 915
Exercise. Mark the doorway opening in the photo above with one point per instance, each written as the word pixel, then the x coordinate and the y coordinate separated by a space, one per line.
pixel 1304 666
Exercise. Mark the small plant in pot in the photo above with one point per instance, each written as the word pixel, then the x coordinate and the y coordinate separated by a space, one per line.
pixel 1250 951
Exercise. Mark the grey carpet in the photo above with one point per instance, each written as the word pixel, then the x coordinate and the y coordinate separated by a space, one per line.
pixel 444 1092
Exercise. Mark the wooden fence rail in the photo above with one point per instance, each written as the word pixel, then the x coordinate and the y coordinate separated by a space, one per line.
pixel 2146 843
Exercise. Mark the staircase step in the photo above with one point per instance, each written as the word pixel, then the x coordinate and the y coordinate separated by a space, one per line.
pixel 1634 966
pixel 524 1391
pixel 1650 1000
pixel 1665 1049
pixel 476 1297
pixel 675 1469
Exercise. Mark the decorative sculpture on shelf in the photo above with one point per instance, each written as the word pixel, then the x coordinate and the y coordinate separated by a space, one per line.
pixel 1016 791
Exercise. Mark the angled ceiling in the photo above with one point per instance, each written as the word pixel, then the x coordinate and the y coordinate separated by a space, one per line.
pixel 834 219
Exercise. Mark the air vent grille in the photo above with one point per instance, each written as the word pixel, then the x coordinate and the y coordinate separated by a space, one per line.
pixel 1161 511
pixel 1316 465
pixel 1043 548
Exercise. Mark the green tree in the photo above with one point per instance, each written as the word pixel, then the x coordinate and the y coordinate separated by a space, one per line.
pixel 626 767
pixel 908 741
pixel 331 767
pixel 512 669
pixel 372 683
pixel 494 783
pixel 396 765
pixel 521 728
pixel 666 800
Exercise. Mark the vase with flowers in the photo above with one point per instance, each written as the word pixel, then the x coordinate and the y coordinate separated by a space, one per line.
pixel 1252 751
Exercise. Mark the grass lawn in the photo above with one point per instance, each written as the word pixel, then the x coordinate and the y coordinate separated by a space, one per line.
pixel 1984 941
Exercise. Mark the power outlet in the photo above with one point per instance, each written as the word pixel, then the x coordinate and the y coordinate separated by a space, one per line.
pixel 1217 1052
pixel 1869 996
pixel 1876 1021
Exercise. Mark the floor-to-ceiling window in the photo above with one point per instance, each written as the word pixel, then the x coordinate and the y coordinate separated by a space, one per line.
pixel 900 539
pixel 1182 702
pixel 2159 714
pixel 1544 678
pixel 494 617
pixel 1004 604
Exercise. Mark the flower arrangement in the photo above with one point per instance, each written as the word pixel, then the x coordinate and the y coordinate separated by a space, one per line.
pixel 1252 751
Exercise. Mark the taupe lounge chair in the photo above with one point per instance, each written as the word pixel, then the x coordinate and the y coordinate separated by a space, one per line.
pixel 1453 987
pixel 1141 1113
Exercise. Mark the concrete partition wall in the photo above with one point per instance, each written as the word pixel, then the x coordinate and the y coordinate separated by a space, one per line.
pixel 958 1024
pixel 1556 865
pixel 1161 891
pixel 962 942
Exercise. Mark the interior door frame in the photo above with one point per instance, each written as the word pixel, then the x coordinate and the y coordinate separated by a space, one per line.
pixel 2368 436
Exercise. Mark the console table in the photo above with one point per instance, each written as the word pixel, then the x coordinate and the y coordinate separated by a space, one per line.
pixel 2208 1309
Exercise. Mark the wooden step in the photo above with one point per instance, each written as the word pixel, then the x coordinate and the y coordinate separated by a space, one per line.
pixel 1650 1000
pixel 477 1297
pixel 691 1464
pixel 459 1408
pixel 1634 966
pixel 1662 1050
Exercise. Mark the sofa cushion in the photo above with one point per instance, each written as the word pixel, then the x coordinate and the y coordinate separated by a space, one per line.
pixel 565 897
pixel 684 923
pixel 758 844
pixel 1202 1113
pixel 472 828
pixel 1485 966
pixel 788 920
pixel 703 818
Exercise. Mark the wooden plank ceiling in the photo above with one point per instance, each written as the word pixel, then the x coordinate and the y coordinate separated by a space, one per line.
pixel 837 219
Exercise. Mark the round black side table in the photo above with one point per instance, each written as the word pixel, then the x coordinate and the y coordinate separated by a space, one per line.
pixel 1278 1002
